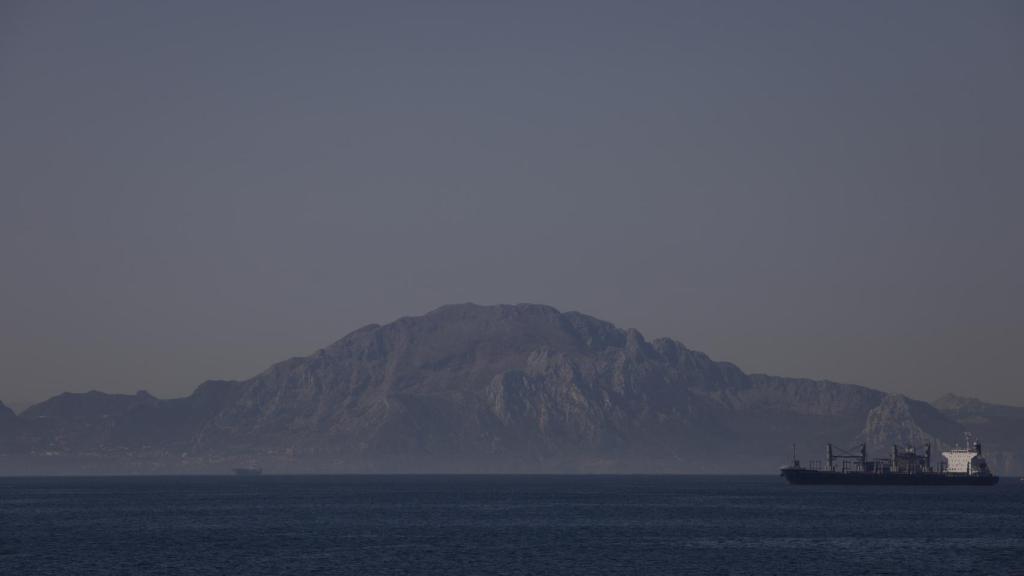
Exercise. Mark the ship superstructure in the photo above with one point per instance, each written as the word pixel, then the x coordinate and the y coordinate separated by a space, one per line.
pixel 964 461
pixel 962 466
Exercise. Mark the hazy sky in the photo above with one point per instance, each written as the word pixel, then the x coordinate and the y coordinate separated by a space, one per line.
pixel 823 189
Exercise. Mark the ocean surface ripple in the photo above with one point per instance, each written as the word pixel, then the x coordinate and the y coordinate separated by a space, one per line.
pixel 462 525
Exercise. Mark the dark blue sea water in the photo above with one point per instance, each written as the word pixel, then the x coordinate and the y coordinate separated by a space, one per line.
pixel 456 525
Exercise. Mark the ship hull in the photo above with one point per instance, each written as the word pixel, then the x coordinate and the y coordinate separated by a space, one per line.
pixel 804 476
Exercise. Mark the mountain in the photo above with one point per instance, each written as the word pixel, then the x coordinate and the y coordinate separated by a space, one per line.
pixel 8 419
pixel 76 422
pixel 470 388
pixel 8 430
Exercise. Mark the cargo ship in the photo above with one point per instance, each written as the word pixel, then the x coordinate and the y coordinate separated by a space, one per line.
pixel 905 467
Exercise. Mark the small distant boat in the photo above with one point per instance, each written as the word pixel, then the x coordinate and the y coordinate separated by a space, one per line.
pixel 248 471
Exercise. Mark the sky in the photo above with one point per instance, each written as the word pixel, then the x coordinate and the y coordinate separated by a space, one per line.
pixel 195 190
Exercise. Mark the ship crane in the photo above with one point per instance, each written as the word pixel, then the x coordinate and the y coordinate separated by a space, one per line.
pixel 853 459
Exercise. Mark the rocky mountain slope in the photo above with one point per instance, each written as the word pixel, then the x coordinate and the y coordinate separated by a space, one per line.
pixel 8 427
pixel 6 414
pixel 469 388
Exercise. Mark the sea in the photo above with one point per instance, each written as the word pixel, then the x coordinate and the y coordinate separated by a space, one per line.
pixel 529 525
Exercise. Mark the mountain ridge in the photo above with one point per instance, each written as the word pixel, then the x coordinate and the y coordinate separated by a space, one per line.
pixel 470 388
